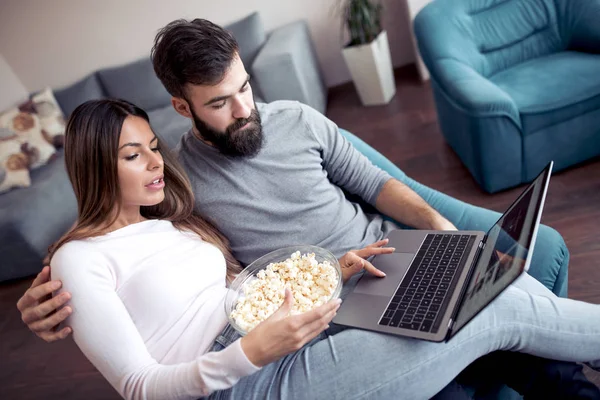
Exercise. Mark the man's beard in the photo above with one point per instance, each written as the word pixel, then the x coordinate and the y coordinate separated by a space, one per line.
pixel 234 142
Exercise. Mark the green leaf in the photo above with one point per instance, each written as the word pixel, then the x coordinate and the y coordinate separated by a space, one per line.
pixel 362 18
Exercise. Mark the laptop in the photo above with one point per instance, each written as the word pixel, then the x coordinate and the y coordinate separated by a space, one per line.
pixel 437 281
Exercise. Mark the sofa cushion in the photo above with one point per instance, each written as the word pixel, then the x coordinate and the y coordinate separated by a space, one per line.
pixel 88 88
pixel 250 35
pixel 168 125
pixel 135 82
pixel 33 218
pixel 552 89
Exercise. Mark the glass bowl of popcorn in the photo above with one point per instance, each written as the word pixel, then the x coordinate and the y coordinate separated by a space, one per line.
pixel 312 274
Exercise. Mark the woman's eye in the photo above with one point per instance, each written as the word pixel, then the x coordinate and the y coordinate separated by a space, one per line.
pixel 246 87
pixel 131 157
pixel 155 149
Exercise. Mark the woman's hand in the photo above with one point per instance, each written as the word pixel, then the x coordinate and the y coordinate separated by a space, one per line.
pixel 354 261
pixel 281 334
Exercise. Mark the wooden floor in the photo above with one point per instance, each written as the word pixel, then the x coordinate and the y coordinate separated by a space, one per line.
pixel 406 132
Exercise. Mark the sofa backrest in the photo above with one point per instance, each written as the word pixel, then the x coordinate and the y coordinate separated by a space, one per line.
pixel 88 88
pixel 250 35
pixel 137 83
pixel 488 35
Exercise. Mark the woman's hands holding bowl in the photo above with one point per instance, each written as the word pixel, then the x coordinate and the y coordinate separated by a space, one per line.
pixel 282 334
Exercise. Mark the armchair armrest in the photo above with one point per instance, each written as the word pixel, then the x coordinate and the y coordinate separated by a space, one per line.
pixel 286 68
pixel 473 93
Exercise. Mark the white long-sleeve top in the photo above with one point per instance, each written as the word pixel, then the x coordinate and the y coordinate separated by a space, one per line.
pixel 148 303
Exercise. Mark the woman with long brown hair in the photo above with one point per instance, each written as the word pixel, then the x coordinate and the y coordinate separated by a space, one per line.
pixel 148 278
pixel 97 125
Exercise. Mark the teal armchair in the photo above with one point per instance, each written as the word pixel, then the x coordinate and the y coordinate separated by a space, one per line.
pixel 550 258
pixel 516 83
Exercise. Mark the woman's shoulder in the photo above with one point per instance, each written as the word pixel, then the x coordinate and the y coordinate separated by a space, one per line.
pixel 81 266
pixel 76 252
pixel 77 246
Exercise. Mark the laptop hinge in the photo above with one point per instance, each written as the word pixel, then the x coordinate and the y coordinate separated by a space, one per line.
pixel 461 298
pixel 485 238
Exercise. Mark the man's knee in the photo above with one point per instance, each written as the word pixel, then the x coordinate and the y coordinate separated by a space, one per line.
pixel 550 260
pixel 560 252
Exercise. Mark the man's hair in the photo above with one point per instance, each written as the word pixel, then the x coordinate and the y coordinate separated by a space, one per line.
pixel 194 52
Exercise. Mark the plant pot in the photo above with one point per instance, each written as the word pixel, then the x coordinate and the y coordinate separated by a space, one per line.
pixel 370 66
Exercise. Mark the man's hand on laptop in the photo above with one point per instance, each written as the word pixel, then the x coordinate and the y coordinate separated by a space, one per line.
pixel 41 312
pixel 355 261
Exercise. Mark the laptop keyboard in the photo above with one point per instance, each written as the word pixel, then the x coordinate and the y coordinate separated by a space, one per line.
pixel 423 295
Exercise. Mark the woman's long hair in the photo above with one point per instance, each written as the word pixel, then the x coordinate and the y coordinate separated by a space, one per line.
pixel 91 148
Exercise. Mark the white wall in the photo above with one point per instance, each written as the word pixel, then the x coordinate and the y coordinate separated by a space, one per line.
pixel 12 90
pixel 55 42
pixel 414 6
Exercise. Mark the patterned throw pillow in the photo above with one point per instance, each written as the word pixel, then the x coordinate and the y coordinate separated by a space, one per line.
pixel 14 161
pixel 51 117
pixel 29 136
pixel 27 130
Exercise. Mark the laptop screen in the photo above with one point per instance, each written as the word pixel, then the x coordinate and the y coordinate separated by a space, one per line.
pixel 507 253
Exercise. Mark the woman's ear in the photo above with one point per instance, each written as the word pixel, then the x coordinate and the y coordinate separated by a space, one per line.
pixel 182 107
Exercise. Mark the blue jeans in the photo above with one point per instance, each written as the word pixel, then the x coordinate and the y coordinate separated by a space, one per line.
pixel 352 364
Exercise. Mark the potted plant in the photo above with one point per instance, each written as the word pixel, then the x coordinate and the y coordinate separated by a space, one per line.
pixel 367 54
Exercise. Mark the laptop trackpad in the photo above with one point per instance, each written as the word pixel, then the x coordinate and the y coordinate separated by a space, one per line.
pixel 394 265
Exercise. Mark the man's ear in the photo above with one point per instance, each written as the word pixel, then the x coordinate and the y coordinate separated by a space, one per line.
pixel 182 107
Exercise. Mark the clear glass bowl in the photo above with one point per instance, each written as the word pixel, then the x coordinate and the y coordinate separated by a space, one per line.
pixel 249 273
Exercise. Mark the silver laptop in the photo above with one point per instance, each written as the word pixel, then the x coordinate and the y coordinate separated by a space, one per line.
pixel 437 281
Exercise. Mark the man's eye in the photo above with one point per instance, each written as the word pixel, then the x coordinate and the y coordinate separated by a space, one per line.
pixel 246 87
pixel 219 105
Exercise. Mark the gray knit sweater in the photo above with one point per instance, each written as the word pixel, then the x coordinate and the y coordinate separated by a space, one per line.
pixel 290 193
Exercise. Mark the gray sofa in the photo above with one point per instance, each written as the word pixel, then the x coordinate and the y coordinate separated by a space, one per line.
pixel 282 65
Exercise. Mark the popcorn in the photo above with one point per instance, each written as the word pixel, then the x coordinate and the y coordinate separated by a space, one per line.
pixel 312 284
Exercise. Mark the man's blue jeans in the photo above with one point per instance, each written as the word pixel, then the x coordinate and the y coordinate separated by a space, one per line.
pixel 352 364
